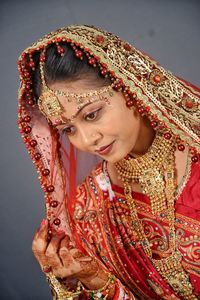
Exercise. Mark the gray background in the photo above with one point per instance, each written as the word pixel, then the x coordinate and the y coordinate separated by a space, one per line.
pixel 166 29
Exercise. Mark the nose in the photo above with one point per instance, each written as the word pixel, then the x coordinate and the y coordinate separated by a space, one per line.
pixel 89 137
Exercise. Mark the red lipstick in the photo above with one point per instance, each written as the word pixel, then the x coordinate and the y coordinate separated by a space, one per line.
pixel 105 149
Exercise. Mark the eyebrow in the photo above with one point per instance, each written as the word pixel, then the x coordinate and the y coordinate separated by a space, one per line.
pixel 67 121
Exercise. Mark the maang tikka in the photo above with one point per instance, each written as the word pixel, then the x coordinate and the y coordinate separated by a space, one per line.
pixel 50 105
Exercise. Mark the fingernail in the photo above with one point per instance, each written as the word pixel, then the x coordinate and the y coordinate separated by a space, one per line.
pixel 85 259
pixel 43 223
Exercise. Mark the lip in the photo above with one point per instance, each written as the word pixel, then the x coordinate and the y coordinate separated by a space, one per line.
pixel 105 149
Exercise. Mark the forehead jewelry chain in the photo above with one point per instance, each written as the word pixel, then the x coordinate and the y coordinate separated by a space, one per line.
pixel 50 105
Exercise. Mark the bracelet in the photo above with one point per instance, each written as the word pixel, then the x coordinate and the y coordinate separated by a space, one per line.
pixel 61 292
pixel 101 293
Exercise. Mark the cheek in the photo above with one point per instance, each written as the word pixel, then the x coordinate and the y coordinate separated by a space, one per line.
pixel 75 142
pixel 127 125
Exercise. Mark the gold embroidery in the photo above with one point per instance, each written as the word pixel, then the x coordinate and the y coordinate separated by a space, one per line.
pixel 134 68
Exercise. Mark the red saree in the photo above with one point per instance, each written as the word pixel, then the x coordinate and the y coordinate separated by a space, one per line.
pixel 103 224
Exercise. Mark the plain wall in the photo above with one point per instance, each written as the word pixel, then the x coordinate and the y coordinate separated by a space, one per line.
pixel 166 29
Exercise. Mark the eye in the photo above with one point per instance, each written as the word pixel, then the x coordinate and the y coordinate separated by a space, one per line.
pixel 69 130
pixel 92 115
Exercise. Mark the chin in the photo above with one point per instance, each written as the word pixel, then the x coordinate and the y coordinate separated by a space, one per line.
pixel 114 158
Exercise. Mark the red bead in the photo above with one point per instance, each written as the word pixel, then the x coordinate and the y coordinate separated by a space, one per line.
pixel 141 110
pixel 127 47
pixel 181 147
pixel 129 103
pixel 167 136
pixel 33 143
pixel 42 58
pixel 46 269
pixel 27 129
pixel 58 39
pixel 60 50
pixel 27 119
pixel 26 74
pixel 103 65
pixel 28 86
pixel 100 39
pixel 79 53
pixel 50 188
pixel 112 74
pixel 92 61
pixel 37 156
pixel 189 104
pixel 54 203
pixel 31 64
pixel 117 86
pixel 154 124
pixel 195 158
pixel 30 102
pixel 45 172
pixel 87 51
pixel 157 78
pixel 56 221
pixel 104 71
pixel 147 108
pixel 26 139
pixel 23 125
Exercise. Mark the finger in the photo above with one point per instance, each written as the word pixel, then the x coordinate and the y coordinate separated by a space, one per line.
pixel 43 222
pixel 52 251
pixel 39 241
pixel 64 252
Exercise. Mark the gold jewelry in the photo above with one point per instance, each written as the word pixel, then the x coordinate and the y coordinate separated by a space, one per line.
pixel 97 294
pixel 148 170
pixel 49 103
pixel 89 97
pixel 61 291
pixel 170 268
pixel 46 268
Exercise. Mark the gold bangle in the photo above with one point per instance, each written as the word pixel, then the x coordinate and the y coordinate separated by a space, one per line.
pixel 60 290
pixel 110 280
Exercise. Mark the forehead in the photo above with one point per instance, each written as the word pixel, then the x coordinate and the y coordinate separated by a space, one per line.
pixel 76 87
pixel 74 96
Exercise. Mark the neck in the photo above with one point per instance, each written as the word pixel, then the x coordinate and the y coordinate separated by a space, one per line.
pixel 145 138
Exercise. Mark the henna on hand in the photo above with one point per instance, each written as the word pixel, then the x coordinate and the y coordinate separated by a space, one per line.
pixel 64 259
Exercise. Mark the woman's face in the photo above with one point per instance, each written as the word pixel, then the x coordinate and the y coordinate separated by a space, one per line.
pixel 109 130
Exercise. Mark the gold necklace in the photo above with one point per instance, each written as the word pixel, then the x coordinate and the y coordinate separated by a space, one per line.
pixel 149 170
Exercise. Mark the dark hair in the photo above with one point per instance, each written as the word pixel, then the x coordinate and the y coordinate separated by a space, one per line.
pixel 65 68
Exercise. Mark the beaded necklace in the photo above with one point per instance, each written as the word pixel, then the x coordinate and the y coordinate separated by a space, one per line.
pixel 155 172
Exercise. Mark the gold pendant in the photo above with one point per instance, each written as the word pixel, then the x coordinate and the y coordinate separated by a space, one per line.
pixel 152 182
pixel 172 271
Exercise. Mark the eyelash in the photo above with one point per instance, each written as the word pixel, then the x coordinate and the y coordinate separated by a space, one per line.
pixel 85 117
pixel 93 112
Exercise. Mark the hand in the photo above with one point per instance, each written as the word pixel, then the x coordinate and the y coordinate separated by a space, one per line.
pixel 58 253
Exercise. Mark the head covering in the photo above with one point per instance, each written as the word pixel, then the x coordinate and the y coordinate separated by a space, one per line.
pixel 170 103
